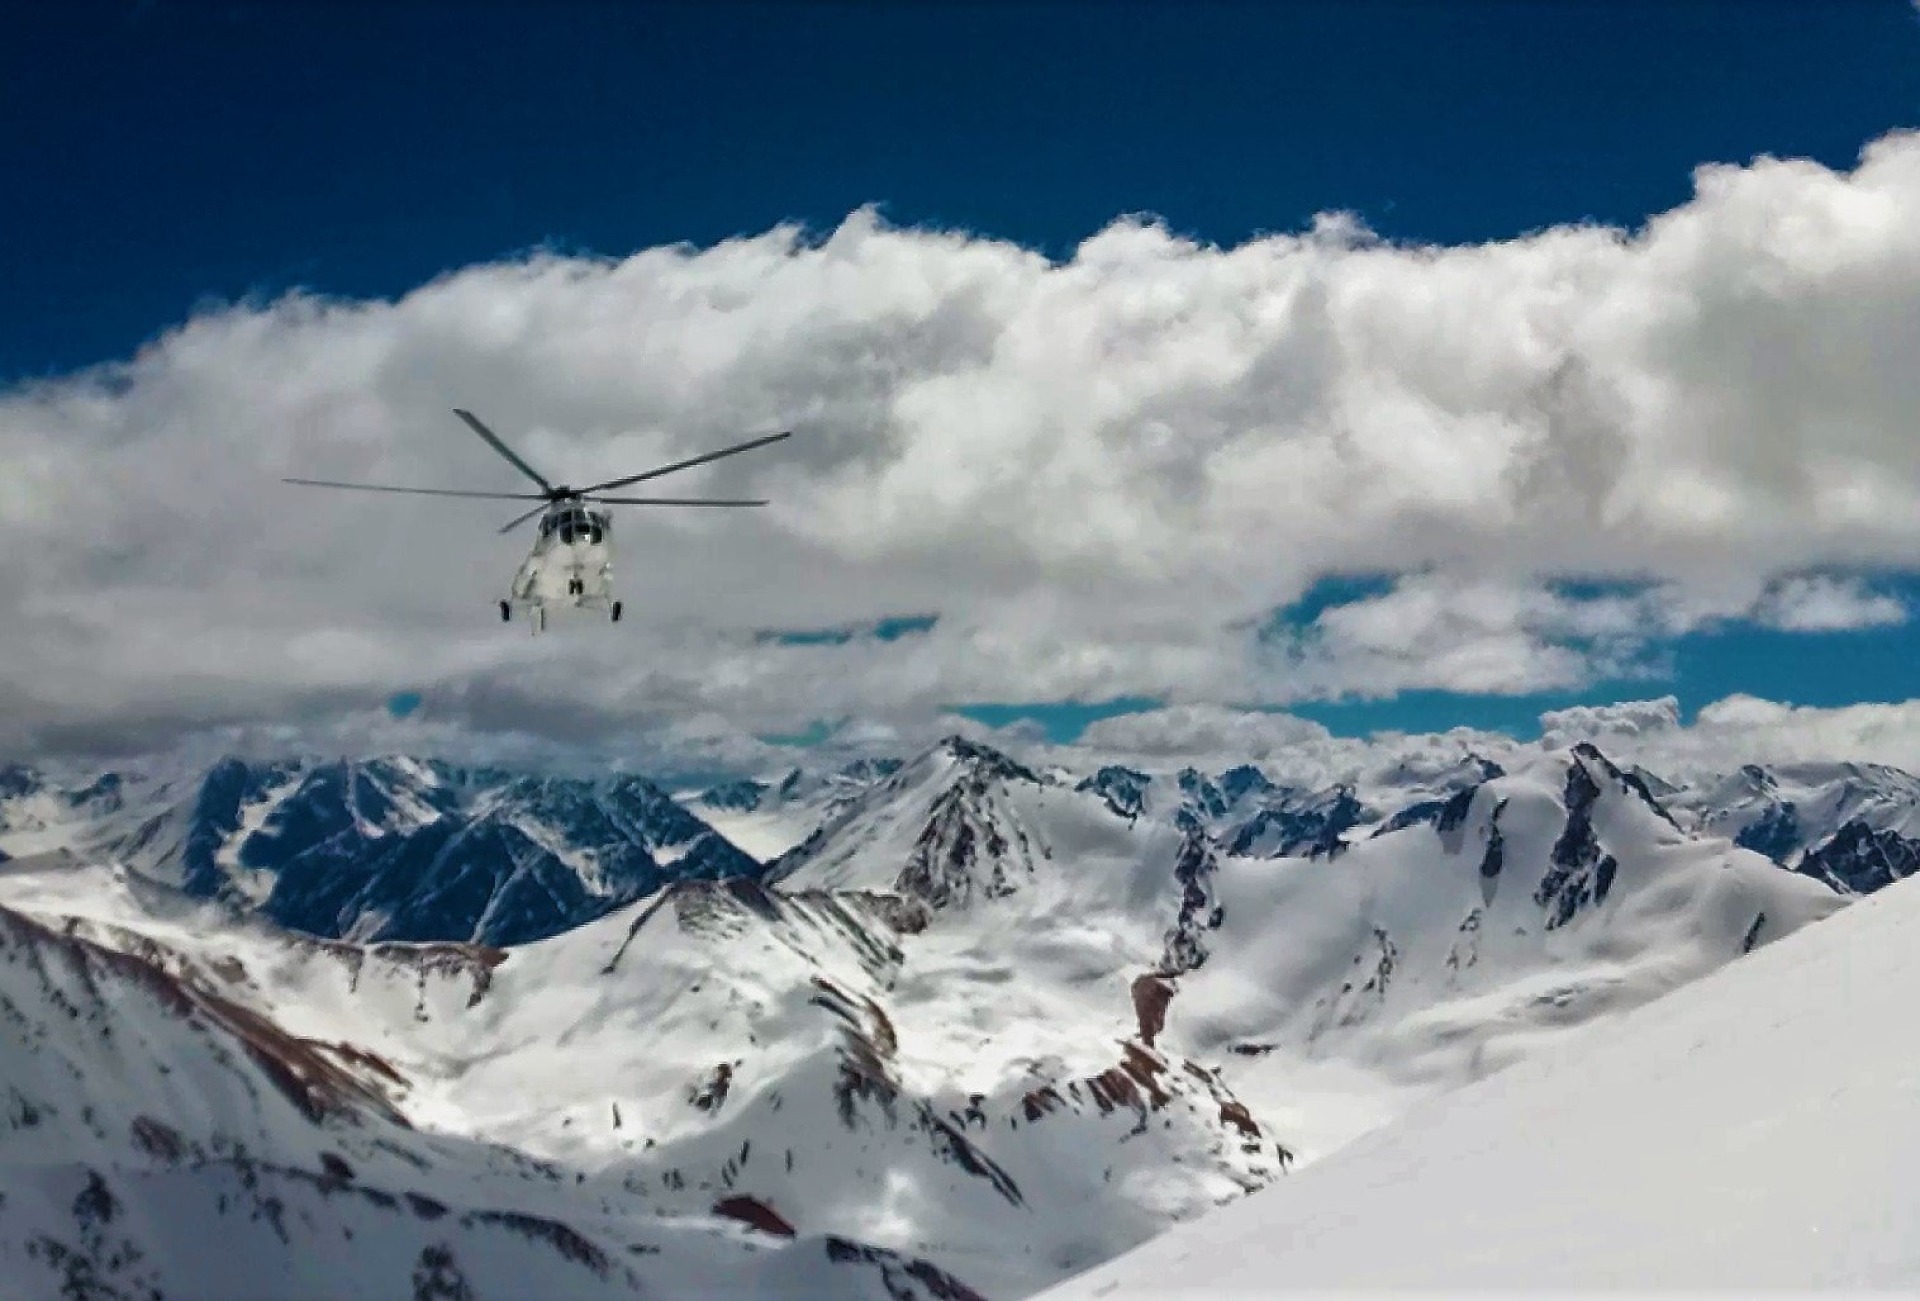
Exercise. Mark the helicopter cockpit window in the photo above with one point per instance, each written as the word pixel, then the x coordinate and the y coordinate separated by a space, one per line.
pixel 576 526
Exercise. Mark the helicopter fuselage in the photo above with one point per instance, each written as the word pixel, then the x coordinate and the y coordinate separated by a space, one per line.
pixel 570 566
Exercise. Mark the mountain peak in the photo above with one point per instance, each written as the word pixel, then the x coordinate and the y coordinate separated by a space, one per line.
pixel 1123 789
pixel 743 795
pixel 869 771
pixel 396 847
pixel 986 760
pixel 1627 780
pixel 1237 783
pixel 942 829
pixel 1859 859
pixel 17 780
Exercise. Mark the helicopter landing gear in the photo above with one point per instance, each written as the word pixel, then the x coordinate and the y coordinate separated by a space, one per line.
pixel 506 611
pixel 615 612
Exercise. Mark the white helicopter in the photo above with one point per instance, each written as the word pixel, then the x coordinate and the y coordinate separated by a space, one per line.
pixel 571 564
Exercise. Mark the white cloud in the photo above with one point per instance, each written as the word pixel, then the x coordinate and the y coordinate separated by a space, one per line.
pixel 1201 730
pixel 1723 736
pixel 1467 635
pixel 1627 720
pixel 1498 636
pixel 1820 604
pixel 1744 729
pixel 1289 749
pixel 1100 473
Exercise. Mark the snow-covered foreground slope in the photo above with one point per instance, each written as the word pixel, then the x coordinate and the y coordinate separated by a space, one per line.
pixel 1757 1129
pixel 161 1140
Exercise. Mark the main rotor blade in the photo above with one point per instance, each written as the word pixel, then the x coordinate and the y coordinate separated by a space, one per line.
pixel 493 441
pixel 689 464
pixel 673 501
pixel 425 492
pixel 524 518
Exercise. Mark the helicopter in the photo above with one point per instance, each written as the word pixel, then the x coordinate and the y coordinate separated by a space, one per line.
pixel 571 564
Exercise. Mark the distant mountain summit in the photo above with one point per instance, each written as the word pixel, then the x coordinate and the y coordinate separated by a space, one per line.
pixel 940 829
pixel 400 848
pixel 1855 827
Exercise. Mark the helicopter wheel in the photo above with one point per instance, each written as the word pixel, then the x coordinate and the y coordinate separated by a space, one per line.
pixel 616 612
pixel 506 611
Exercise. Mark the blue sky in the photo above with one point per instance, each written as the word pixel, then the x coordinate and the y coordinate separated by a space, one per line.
pixel 159 154
pixel 1819 668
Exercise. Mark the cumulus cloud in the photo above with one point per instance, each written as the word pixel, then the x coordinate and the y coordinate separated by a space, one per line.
pixel 1289 749
pixel 1630 720
pixel 1476 636
pixel 1826 605
pixel 1722 737
pixel 1103 474
pixel 1748 730
pixel 1186 731
pixel 1498 636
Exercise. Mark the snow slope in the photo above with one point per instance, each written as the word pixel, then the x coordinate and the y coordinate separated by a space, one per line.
pixel 163 1140
pixel 1754 1130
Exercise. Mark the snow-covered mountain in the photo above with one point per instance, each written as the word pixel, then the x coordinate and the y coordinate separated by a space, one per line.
pixel 1854 826
pixel 768 816
pixel 1006 1018
pixel 1250 815
pixel 727 1049
pixel 386 849
pixel 1754 1131
pixel 1450 937
pixel 1439 951
pixel 166 1139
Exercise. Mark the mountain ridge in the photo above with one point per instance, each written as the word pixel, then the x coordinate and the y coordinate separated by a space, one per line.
pixel 403 848
pixel 980 1001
